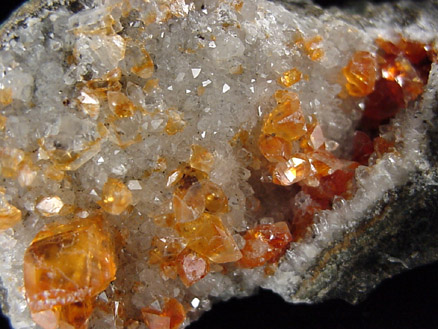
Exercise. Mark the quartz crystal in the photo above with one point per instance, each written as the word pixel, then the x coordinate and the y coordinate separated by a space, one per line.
pixel 158 155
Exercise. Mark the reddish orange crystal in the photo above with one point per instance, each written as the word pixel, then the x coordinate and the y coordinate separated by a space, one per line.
pixel 286 120
pixel 68 264
pixel 361 73
pixel 275 149
pixel 171 317
pixel 265 243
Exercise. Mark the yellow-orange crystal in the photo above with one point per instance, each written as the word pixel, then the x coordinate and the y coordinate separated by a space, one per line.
pixel 171 317
pixel 286 120
pixel 175 123
pixel 289 78
pixel 116 197
pixel 208 236
pixel 5 96
pixel 361 74
pixel 67 264
pixel 9 215
pixel 120 104
pixel 201 158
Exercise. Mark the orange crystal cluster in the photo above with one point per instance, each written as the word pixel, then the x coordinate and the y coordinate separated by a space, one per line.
pixel 202 236
pixel 65 267
pixel 389 80
pixel 296 153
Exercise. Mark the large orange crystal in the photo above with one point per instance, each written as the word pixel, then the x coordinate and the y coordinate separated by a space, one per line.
pixel 67 264
pixel 275 149
pixel 208 236
pixel 265 243
pixel 361 73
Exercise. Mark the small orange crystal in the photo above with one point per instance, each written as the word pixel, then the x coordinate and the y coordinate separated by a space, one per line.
pixel 208 236
pixel 175 123
pixel 10 159
pixel 286 120
pixel 361 73
pixel 275 149
pixel 201 158
pixel 265 243
pixel 67 264
pixel 192 267
pixel 171 317
pixel 146 68
pixel 291 171
pixel 9 215
pixel 120 104
pixel 116 197
pixel 289 78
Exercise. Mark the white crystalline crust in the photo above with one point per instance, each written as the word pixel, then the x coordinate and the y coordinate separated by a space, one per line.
pixel 203 47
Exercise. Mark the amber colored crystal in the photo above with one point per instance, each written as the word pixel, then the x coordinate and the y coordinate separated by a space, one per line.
pixel 10 160
pixel 286 120
pixel 191 267
pixel 201 158
pixel 292 171
pixel 289 78
pixel 362 147
pixel 120 104
pixel 382 146
pixel 116 197
pixel 171 317
pixel 108 82
pixel 312 47
pixel 361 73
pixel 208 236
pixel 5 96
pixel 175 123
pixel 27 172
pixel 52 172
pixel 68 264
pixel 385 101
pixel 265 243
pixel 3 121
pixel 76 314
pixel 189 204
pixel 9 215
pixel 146 68
pixel 275 149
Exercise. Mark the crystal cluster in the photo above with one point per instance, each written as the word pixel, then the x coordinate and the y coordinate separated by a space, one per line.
pixel 157 154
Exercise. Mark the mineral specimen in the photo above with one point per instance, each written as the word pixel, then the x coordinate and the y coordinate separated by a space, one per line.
pixel 156 155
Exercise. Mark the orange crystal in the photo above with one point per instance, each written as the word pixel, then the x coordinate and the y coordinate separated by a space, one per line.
pixel 201 158
pixel 275 149
pixel 191 267
pixel 292 171
pixel 116 197
pixel 146 68
pixel 208 236
pixel 286 120
pixel 10 160
pixel 361 73
pixel 289 78
pixel 265 243
pixel 171 317
pixel 9 215
pixel 175 123
pixel 5 96
pixel 120 104
pixel 68 264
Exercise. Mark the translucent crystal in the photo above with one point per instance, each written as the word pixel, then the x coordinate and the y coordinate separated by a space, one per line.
pixel 9 215
pixel 116 197
pixel 361 74
pixel 67 264
pixel 208 236
pixel 50 206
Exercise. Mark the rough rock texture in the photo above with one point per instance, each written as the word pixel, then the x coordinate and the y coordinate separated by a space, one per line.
pixel 209 73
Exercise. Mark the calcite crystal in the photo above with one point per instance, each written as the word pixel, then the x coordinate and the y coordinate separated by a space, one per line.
pixel 157 155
